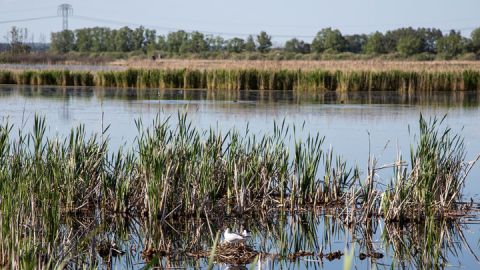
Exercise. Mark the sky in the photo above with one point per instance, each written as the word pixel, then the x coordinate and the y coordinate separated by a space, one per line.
pixel 282 19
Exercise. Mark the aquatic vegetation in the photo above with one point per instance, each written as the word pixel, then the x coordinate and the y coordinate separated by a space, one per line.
pixel 180 171
pixel 256 79
pixel 433 186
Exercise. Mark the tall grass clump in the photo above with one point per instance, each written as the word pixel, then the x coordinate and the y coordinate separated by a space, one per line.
pixel 255 79
pixel 45 180
pixel 433 186
pixel 32 167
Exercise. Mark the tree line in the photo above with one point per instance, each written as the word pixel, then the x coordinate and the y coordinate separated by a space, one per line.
pixel 404 41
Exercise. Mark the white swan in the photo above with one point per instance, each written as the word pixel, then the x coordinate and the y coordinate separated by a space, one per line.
pixel 230 237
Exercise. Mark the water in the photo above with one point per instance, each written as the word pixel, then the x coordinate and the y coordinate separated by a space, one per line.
pixel 354 124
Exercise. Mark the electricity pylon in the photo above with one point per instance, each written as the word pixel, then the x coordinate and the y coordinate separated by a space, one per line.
pixel 65 10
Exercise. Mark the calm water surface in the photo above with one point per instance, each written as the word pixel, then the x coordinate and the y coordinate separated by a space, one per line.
pixel 350 122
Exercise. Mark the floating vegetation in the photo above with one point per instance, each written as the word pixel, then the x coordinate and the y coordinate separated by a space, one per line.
pixel 179 171
pixel 255 79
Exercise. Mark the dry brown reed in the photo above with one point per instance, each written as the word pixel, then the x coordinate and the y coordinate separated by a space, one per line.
pixel 342 65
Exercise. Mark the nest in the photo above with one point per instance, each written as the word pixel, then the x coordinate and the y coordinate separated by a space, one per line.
pixel 149 253
pixel 335 255
pixel 374 255
pixel 294 256
pixel 236 254
pixel 106 249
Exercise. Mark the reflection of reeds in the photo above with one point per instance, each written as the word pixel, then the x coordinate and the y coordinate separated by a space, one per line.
pixel 426 245
pixel 255 79
pixel 432 99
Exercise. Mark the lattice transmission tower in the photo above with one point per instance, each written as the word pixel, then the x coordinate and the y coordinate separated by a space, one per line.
pixel 65 10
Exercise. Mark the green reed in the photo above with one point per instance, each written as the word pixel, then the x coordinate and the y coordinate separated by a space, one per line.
pixel 183 170
pixel 434 184
pixel 177 170
pixel 254 79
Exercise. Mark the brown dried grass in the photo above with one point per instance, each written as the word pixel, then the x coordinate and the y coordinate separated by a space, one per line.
pixel 343 65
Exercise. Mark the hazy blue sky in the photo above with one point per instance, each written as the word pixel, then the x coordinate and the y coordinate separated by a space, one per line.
pixel 280 18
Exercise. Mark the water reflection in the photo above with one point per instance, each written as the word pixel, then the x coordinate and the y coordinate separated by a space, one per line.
pixel 438 98
pixel 284 240
pixel 292 241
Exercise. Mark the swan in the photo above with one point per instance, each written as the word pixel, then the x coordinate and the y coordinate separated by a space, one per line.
pixel 231 237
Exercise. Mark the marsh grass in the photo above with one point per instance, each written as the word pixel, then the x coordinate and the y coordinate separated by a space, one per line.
pixel 255 79
pixel 179 171
pixel 183 170
pixel 433 186
pixel 342 65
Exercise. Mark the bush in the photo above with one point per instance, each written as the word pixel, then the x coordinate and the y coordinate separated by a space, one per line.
pixel 424 57
pixel 469 57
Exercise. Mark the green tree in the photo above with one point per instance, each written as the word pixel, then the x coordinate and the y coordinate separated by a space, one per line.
pixel 297 46
pixel 390 39
pixel 410 45
pixel 476 40
pixel 175 40
pixel 197 43
pixel 236 45
pixel 328 39
pixel 376 43
pixel 355 43
pixel 451 45
pixel 17 39
pixel 124 40
pixel 101 39
pixel 84 40
pixel 264 42
pixel 138 38
pixel 63 42
pixel 430 38
pixel 215 43
pixel 250 45
pixel 150 39
pixel 162 44
pixel 111 44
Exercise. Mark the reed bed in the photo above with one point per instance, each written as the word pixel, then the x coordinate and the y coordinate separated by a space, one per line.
pixel 180 171
pixel 342 65
pixel 255 79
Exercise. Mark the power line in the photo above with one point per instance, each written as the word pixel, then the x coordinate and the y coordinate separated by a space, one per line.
pixel 29 19
pixel 177 29
pixel 312 26
pixel 166 28
pixel 418 23
pixel 156 27
pixel 122 23
pixel 24 10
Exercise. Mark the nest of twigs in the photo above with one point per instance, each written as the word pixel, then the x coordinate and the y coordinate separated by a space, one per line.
pixel 238 253
pixel 149 253
pixel 106 249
